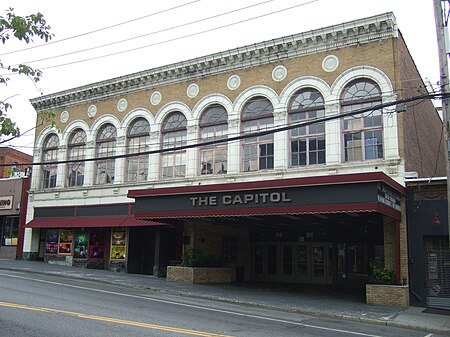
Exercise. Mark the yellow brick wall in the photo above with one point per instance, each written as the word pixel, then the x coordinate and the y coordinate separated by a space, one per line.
pixel 397 296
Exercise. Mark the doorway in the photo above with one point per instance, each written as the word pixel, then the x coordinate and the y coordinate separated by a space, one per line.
pixel 306 262
pixel 141 250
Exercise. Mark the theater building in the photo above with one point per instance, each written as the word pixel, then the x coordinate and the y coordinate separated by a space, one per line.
pixel 285 159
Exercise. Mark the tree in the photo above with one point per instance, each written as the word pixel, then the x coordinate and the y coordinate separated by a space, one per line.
pixel 23 28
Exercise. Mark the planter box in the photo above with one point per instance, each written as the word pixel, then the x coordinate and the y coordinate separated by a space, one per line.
pixel 198 274
pixel 384 294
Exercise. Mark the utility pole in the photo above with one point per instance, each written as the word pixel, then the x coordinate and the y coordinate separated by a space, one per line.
pixel 441 20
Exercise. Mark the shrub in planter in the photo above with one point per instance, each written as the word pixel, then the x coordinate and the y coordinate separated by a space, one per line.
pixel 193 257
pixel 380 275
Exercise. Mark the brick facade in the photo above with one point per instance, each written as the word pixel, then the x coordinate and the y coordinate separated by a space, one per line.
pixel 326 60
pixel 12 156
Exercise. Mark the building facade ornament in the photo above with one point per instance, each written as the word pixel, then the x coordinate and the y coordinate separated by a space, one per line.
pixel 382 26
pixel 122 105
pixel 92 111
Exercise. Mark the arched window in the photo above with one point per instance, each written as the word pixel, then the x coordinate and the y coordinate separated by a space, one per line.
pixel 362 133
pixel 174 134
pixel 213 126
pixel 138 137
pixel 50 156
pixel 308 141
pixel 76 150
pixel 105 147
pixel 258 152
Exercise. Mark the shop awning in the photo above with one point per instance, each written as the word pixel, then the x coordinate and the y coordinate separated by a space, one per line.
pixel 49 223
pixel 89 222
pixel 349 193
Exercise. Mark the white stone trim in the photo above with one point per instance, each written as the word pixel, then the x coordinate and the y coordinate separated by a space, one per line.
pixel 254 91
pixel 325 39
pixel 171 107
pixel 209 100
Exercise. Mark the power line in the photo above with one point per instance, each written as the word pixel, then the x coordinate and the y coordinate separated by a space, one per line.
pixel 123 127
pixel 178 38
pixel 102 29
pixel 149 34
pixel 240 137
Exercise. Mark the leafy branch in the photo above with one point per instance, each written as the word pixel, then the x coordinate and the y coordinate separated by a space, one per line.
pixel 23 28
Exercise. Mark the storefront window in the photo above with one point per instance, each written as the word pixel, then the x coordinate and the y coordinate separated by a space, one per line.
pixel 357 259
pixel 96 243
pixel 51 243
pixel 81 244
pixel 10 231
pixel 118 243
pixel 65 242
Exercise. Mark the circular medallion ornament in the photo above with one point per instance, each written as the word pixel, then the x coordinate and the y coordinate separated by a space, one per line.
pixel 279 73
pixel 330 63
pixel 234 82
pixel 92 111
pixel 192 90
pixel 155 98
pixel 64 117
pixel 122 105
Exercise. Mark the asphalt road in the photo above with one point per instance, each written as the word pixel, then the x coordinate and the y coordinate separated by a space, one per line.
pixel 43 305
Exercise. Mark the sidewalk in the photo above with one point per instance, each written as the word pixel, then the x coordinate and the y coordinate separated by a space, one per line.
pixel 301 299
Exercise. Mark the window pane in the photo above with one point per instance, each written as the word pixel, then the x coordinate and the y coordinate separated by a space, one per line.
pixel 250 158
pixel 373 145
pixel 364 142
pixel 353 147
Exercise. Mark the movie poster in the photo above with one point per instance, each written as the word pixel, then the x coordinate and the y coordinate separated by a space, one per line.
pixel 65 242
pixel 51 243
pixel 96 243
pixel 80 250
pixel 118 243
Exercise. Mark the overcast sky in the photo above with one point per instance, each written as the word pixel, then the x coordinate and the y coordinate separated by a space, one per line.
pixel 164 32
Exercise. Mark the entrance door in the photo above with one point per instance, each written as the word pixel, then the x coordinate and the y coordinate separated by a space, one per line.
pixel 307 262
pixel 313 263
pixel 141 250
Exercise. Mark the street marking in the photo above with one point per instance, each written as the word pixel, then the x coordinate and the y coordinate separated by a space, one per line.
pixel 195 306
pixel 112 320
pixel 429 335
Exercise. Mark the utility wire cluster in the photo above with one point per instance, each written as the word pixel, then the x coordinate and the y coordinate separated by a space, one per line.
pixel 248 135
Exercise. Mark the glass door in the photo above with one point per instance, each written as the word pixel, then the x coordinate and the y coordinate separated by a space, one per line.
pixel 318 263
pixel 272 262
pixel 303 264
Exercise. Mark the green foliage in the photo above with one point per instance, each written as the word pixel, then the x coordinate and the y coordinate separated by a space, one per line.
pixel 380 275
pixel 193 257
pixel 23 28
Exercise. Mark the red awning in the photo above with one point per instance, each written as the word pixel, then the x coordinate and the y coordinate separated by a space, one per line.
pixel 89 222
pixel 131 221
pixel 49 223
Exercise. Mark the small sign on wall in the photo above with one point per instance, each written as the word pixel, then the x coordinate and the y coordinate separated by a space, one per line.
pixel 6 202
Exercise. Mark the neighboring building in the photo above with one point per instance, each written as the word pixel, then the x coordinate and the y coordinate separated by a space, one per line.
pixel 10 160
pixel 311 204
pixel 13 205
pixel 428 241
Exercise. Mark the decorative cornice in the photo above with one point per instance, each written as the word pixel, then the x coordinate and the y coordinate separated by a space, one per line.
pixel 315 41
